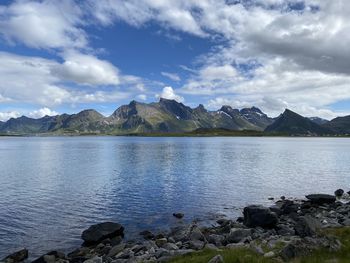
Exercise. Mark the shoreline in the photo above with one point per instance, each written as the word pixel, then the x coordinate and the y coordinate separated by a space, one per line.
pixel 284 231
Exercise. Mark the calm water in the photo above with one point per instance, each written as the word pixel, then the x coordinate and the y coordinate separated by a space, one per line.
pixel 53 188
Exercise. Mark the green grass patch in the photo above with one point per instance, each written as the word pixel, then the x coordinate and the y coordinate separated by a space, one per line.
pixel 244 255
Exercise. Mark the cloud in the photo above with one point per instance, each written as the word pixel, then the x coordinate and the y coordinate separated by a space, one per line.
pixel 86 70
pixel 40 84
pixel 172 76
pixel 43 24
pixel 169 93
pixel 142 97
pixel 36 114
pixel 4 116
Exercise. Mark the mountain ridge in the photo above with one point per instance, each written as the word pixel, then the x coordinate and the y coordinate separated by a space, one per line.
pixel 170 116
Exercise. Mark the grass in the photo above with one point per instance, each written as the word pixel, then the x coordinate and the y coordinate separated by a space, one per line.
pixel 243 255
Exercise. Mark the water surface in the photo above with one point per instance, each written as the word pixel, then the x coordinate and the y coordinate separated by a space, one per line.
pixel 53 188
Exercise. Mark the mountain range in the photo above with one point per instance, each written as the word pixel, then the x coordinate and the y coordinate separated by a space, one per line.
pixel 170 116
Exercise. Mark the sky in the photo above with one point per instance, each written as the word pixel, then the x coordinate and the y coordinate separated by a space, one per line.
pixel 69 55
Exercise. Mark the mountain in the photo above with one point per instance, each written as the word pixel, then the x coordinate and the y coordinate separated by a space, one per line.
pixel 340 125
pixel 318 120
pixel 169 116
pixel 136 117
pixel 294 124
pixel 256 117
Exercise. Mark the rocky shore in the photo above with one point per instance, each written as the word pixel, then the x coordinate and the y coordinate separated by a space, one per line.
pixel 286 230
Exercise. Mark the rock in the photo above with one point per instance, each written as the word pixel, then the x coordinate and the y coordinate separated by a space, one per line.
pixel 211 247
pixel 283 198
pixel 51 257
pixel 196 244
pixel 236 245
pixel 216 239
pixel 306 226
pixel 147 234
pixel 339 193
pixel 285 230
pixel 217 259
pixel 95 259
pixel 18 256
pixel 196 234
pixel 255 216
pixel 270 254
pixel 161 241
pixel 257 249
pixel 96 233
pixel 178 215
pixel 320 199
pixel 116 250
pixel 236 235
pixel 293 250
pixel 170 246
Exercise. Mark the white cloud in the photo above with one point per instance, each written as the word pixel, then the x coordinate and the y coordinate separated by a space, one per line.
pixel 38 85
pixel 4 116
pixel 87 70
pixel 43 24
pixel 172 76
pixel 36 114
pixel 169 93
pixel 142 97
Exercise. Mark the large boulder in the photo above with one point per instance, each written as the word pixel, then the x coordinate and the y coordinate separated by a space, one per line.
pixel 259 216
pixel 320 199
pixel 96 233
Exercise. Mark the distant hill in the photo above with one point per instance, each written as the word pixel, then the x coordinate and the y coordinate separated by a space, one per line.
pixel 292 123
pixel 340 125
pixel 318 120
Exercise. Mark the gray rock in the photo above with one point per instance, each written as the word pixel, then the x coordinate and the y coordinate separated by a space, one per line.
pixel 217 259
pixel 320 199
pixel 236 235
pixel 211 247
pixel 17 256
pixel 96 233
pixel 95 259
pixel 116 250
pixel 196 244
pixel 306 226
pixel 216 239
pixel 196 234
pixel 256 215
pixel 270 254
pixel 170 246
pixel 161 241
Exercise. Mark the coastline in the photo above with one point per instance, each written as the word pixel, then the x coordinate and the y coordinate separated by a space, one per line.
pixel 288 230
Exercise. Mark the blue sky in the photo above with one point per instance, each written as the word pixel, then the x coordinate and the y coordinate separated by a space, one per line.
pixel 66 56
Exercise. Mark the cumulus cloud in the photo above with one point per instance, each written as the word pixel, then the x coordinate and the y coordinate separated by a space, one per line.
pixel 36 114
pixel 4 116
pixel 169 93
pixel 172 76
pixel 87 70
pixel 40 84
pixel 43 24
